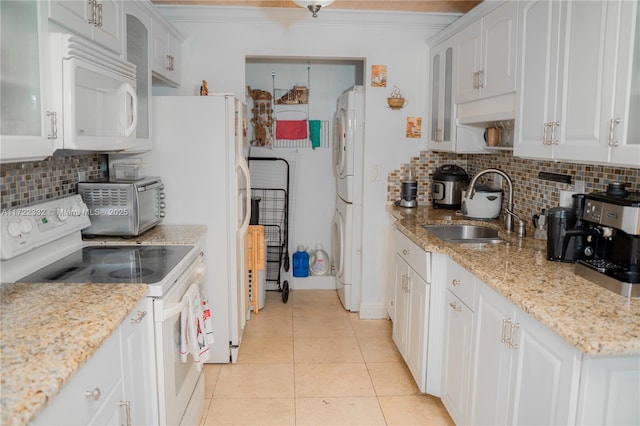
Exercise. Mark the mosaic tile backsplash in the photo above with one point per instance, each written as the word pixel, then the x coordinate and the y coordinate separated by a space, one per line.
pixel 531 194
pixel 23 184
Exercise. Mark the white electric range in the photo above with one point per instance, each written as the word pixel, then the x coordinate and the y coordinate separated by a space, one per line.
pixel 43 244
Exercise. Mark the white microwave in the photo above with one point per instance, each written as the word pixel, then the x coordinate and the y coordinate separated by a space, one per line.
pixel 95 91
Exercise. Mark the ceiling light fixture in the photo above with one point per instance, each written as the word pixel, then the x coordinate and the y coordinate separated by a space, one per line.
pixel 313 5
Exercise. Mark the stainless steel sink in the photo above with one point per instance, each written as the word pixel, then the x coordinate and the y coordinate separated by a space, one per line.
pixel 465 233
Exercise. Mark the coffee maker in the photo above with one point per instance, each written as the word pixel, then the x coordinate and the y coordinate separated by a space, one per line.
pixel 615 220
pixel 408 190
pixel 569 238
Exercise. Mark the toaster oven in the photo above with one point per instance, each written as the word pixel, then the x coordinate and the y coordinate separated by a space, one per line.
pixel 123 208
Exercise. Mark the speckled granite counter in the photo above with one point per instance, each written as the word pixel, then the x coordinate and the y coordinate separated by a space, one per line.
pixel 595 320
pixel 161 234
pixel 48 331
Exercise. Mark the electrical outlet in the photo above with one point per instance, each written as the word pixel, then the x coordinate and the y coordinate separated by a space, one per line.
pixel 82 176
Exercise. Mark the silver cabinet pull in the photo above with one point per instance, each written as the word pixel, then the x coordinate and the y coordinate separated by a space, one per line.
pixel 406 251
pixel 139 317
pixel 127 407
pixel 513 328
pixel 92 20
pixel 408 284
pixel 545 138
pixel 54 125
pixel 456 282
pixel 455 306
pixel 99 9
pixel 480 79
pixel 168 62
pixel 93 394
pixel 553 125
pixel 503 336
pixel 475 80
pixel 613 123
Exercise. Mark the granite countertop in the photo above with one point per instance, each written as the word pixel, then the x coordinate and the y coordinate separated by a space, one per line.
pixel 595 320
pixel 48 331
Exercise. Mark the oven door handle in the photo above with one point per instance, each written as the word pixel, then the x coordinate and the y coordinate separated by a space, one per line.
pixel 174 309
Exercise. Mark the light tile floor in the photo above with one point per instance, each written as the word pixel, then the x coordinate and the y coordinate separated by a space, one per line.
pixel 309 362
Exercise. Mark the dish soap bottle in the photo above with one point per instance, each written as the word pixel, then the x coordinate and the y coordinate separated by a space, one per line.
pixel 301 263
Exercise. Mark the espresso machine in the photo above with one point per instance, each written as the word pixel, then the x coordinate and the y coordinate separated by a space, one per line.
pixel 614 217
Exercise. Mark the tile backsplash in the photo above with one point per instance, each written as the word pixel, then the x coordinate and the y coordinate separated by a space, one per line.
pixel 22 184
pixel 531 194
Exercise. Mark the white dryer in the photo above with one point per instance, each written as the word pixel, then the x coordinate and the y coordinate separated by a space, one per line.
pixel 346 237
pixel 348 151
pixel 349 144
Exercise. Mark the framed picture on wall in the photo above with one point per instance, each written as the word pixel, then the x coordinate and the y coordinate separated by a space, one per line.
pixel 378 76
pixel 414 127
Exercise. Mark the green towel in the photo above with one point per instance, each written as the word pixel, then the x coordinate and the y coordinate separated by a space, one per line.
pixel 314 132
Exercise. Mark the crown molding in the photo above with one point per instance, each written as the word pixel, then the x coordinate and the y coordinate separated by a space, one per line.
pixel 473 15
pixel 287 16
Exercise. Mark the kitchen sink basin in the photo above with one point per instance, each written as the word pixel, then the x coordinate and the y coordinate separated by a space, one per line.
pixel 465 233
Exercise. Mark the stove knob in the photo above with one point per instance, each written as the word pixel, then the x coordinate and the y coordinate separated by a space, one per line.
pixel 162 205
pixel 162 195
pixel 26 226
pixel 161 214
pixel 14 229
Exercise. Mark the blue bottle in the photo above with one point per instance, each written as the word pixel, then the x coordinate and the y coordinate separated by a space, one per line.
pixel 301 263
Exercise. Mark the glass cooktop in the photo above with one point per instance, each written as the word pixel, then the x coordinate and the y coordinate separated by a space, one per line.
pixel 112 264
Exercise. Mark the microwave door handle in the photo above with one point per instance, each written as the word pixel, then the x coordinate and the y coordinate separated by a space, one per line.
pixel 242 163
pixel 130 91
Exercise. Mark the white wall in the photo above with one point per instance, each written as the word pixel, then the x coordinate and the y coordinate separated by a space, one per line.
pixel 219 39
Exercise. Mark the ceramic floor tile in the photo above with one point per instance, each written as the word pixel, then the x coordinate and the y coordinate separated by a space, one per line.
pixel 370 327
pixel 414 410
pixel 379 349
pixel 255 381
pixel 255 411
pixel 265 324
pixel 338 411
pixel 256 349
pixel 322 326
pixel 211 372
pixel 326 349
pixel 332 380
pixel 392 379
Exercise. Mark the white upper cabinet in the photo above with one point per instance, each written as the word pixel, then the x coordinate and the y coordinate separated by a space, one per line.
pixel 575 64
pixel 167 50
pixel 27 125
pixel 485 52
pixel 97 20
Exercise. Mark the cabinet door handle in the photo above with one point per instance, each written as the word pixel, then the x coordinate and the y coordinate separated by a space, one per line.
pixel 54 125
pixel 456 282
pixel 139 317
pixel 167 62
pixel 553 125
pixel 99 8
pixel 503 336
pixel 612 131
pixel 93 394
pixel 455 306
pixel 480 79
pixel 513 328
pixel 475 80
pixel 127 407
pixel 545 129
pixel 92 20
pixel 408 290
pixel 406 252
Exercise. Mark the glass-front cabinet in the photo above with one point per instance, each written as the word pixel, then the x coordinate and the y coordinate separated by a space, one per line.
pixel 28 129
pixel 138 39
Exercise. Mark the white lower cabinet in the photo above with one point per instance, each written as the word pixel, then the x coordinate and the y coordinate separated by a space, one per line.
pixel 522 373
pixel 458 340
pixel 117 384
pixel 411 306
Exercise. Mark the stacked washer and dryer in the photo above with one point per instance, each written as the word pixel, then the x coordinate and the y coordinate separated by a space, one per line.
pixel 346 235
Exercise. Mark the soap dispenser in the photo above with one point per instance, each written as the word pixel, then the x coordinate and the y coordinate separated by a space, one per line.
pixel 539 221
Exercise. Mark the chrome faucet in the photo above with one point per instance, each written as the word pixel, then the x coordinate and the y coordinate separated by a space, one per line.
pixel 510 216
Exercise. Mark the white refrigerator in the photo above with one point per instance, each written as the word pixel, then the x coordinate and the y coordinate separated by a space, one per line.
pixel 199 150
